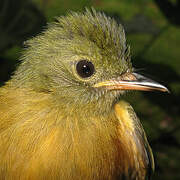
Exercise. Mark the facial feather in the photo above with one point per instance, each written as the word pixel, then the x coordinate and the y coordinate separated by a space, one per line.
pixel 54 123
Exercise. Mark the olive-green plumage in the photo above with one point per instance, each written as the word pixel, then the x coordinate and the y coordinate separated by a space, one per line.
pixel 53 55
pixel 62 115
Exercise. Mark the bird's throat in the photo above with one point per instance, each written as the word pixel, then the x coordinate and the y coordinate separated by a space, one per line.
pixel 49 140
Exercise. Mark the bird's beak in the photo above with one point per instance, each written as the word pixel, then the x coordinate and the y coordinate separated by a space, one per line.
pixel 132 81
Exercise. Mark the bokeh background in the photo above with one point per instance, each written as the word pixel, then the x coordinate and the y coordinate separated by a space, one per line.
pixel 153 32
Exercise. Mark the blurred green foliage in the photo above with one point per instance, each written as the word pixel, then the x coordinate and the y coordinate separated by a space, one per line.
pixel 154 42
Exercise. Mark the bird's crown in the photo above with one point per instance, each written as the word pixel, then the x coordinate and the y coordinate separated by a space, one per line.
pixel 73 54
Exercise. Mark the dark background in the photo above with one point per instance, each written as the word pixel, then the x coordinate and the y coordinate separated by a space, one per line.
pixel 153 32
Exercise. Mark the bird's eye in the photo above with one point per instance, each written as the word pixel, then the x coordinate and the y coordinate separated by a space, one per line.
pixel 85 68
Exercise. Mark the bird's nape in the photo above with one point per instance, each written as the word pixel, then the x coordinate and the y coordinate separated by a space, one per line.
pixel 62 115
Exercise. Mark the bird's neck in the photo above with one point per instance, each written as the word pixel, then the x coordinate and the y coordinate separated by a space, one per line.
pixel 48 136
pixel 62 133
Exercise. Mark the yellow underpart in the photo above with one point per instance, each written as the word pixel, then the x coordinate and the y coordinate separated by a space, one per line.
pixel 123 115
pixel 131 156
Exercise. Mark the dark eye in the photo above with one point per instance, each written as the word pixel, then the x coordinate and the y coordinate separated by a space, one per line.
pixel 85 68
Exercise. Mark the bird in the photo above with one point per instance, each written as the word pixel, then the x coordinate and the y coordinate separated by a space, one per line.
pixel 62 113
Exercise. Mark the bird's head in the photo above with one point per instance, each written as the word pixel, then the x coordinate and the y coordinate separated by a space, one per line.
pixel 81 59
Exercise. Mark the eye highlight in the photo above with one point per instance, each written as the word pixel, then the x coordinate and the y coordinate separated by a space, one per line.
pixel 85 68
